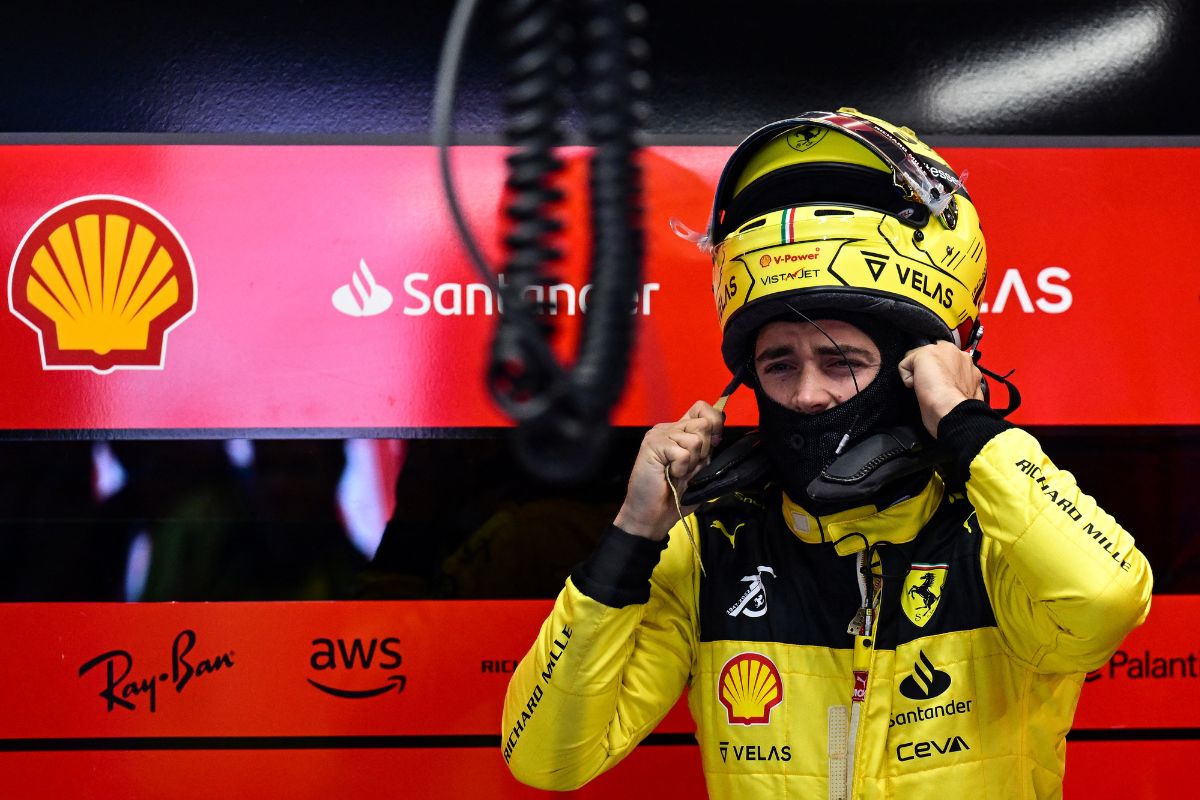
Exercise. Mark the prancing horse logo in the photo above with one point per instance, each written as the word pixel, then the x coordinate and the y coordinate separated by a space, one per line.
pixel 923 591
pixel 803 138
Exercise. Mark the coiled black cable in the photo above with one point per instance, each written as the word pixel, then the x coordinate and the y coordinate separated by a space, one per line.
pixel 618 85
pixel 524 375
pixel 562 413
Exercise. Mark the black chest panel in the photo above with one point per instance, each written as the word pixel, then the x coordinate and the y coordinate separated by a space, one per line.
pixel 764 584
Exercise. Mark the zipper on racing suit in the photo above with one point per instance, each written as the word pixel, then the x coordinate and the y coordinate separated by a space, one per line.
pixel 844 722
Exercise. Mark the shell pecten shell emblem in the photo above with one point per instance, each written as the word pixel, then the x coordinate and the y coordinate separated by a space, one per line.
pixel 102 280
pixel 749 687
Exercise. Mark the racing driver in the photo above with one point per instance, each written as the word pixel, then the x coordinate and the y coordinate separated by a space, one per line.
pixel 886 588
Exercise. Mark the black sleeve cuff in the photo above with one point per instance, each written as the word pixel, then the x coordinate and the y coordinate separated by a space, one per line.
pixel 963 432
pixel 618 571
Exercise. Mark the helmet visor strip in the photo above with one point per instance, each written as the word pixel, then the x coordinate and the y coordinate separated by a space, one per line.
pixel 932 186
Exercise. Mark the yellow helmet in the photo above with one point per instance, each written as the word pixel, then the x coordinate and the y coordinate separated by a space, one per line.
pixel 843 211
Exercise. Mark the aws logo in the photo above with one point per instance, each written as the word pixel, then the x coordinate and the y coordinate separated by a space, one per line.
pixel 346 661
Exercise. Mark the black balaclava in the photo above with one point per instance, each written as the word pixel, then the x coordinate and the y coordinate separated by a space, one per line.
pixel 800 445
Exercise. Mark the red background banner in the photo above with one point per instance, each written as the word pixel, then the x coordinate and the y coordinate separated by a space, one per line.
pixel 1084 308
pixel 236 706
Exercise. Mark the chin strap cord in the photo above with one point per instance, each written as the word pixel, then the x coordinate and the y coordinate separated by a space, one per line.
pixel 683 518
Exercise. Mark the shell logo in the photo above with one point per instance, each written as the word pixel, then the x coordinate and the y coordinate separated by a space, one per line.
pixel 102 280
pixel 749 687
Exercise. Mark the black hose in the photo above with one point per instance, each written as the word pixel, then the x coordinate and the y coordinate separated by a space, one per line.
pixel 562 413
pixel 524 375
pixel 443 128
pixel 617 81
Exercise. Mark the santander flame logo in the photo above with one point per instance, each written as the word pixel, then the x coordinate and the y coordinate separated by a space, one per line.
pixel 362 297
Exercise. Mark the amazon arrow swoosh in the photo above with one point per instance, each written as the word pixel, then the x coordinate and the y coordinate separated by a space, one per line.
pixel 361 694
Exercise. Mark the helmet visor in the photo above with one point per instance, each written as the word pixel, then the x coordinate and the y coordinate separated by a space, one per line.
pixel 924 181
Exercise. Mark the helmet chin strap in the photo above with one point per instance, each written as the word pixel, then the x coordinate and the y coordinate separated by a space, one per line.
pixel 1014 394
pixel 729 389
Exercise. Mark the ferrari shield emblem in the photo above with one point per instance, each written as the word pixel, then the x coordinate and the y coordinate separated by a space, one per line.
pixel 923 591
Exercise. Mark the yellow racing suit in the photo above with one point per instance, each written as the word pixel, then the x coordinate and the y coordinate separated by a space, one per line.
pixel 936 644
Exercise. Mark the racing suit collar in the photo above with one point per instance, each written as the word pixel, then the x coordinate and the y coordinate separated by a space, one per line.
pixel 855 529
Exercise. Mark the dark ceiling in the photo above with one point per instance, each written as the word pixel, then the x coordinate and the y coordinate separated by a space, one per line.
pixel 945 67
